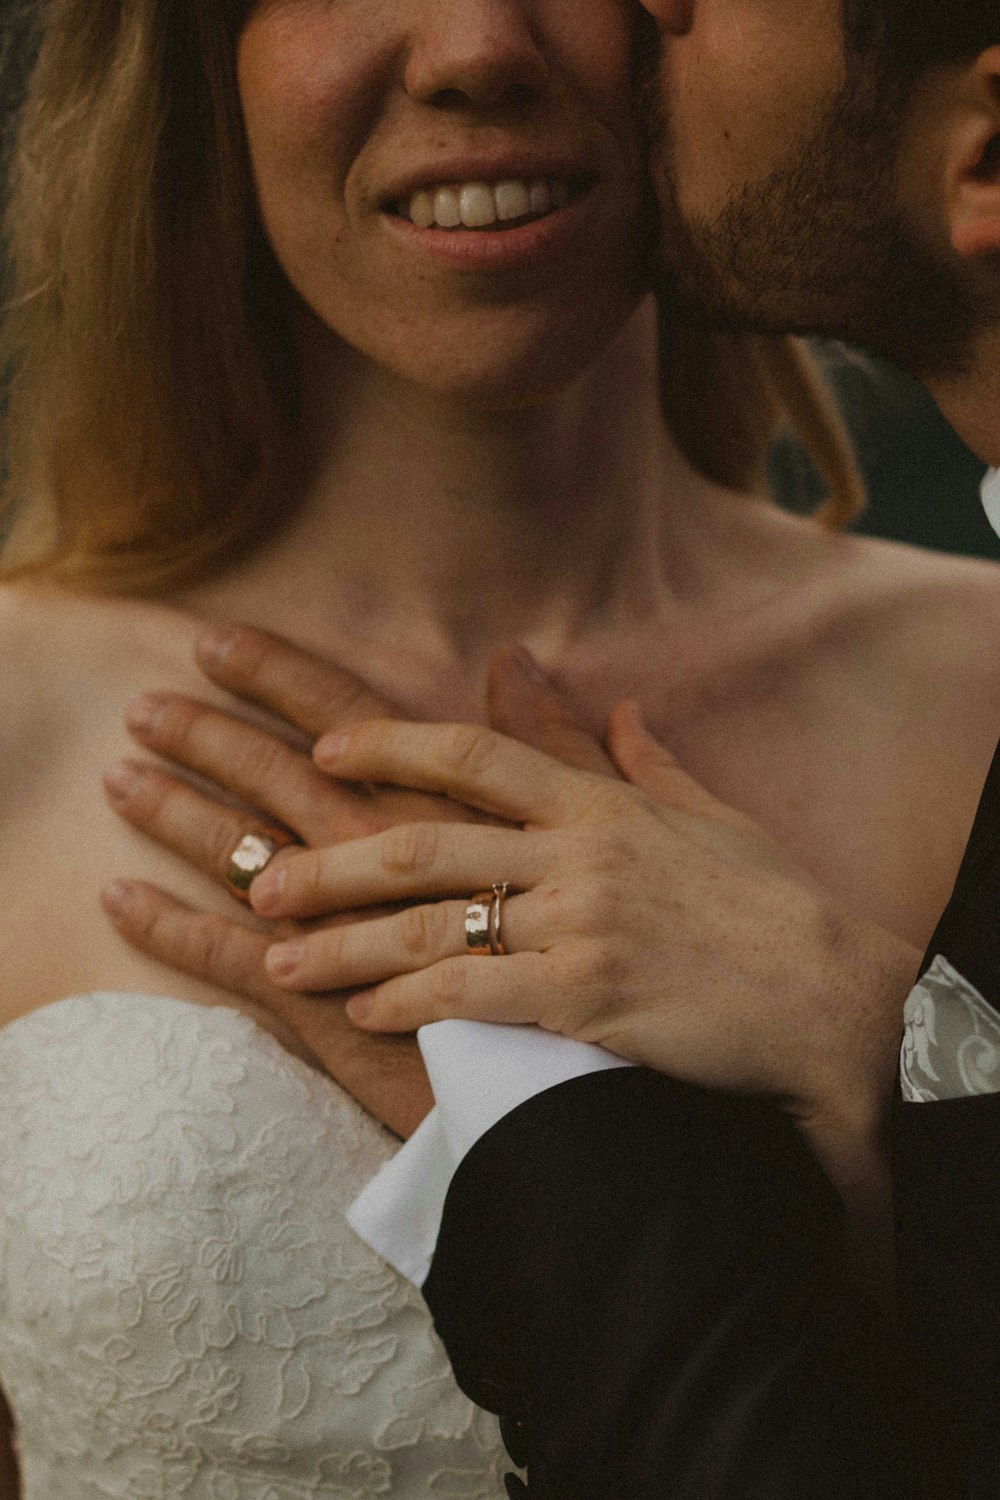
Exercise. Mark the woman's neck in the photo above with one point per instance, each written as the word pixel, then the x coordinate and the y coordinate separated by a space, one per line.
pixel 432 532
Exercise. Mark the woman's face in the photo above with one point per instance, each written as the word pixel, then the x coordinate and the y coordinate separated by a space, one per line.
pixel 454 187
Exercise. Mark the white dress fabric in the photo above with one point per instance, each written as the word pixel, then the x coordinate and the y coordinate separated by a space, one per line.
pixel 184 1309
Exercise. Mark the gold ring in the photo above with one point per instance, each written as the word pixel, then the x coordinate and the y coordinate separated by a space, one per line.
pixel 477 923
pixel 483 914
pixel 252 854
pixel 496 913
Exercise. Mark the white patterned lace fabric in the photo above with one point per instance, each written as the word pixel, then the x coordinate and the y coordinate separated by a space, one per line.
pixel 951 1039
pixel 184 1310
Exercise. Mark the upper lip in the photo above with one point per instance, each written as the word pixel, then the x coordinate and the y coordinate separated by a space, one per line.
pixel 493 167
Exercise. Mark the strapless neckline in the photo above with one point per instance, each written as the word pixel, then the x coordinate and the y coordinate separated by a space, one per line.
pixel 156 998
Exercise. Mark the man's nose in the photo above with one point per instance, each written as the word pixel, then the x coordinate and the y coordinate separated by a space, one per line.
pixel 480 54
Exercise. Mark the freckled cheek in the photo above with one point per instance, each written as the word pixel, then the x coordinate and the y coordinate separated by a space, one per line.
pixel 303 115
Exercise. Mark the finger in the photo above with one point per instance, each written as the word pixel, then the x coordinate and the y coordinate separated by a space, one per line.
pixel 502 990
pixel 203 944
pixel 414 860
pixel 389 1081
pixel 467 762
pixel 258 766
pixel 650 766
pixel 366 953
pixel 292 683
pixel 527 706
pixel 202 831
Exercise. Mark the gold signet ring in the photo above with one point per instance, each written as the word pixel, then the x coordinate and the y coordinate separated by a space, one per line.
pixel 252 854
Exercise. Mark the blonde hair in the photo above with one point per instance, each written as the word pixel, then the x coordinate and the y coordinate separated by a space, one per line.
pixel 146 339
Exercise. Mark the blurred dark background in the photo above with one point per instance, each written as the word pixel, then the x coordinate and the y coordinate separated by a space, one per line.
pixel 924 483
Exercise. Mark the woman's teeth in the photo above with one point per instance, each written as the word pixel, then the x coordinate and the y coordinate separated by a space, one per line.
pixel 477 205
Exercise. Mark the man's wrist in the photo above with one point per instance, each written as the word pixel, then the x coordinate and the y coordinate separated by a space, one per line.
pixel 845 1106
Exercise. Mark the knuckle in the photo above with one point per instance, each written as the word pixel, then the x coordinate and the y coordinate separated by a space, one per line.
pixel 251 655
pixel 145 921
pixel 219 838
pixel 151 798
pixel 470 749
pixel 178 724
pixel 262 762
pixel 591 907
pixel 304 874
pixel 333 946
pixel 411 849
pixel 339 698
pixel 592 968
pixel 212 949
pixel 422 929
pixel 605 801
pixel 450 988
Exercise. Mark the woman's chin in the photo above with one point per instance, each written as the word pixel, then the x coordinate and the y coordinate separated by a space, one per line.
pixel 509 364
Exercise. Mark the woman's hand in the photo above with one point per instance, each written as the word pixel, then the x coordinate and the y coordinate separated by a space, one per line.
pixel 648 918
pixel 269 771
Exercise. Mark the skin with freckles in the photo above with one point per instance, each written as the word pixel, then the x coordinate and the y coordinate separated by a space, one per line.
pixel 447 506
pixel 335 146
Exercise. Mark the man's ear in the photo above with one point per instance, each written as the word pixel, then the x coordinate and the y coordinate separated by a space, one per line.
pixel 974 164
pixel 673 16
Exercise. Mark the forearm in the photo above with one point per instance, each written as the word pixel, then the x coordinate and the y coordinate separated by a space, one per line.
pixel 645 1277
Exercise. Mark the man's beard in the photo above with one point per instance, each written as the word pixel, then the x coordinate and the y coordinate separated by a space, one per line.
pixel 819 246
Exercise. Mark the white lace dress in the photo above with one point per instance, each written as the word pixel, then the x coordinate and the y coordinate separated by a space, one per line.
pixel 184 1310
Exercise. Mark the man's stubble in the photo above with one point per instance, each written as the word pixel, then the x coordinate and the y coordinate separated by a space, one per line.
pixel 820 245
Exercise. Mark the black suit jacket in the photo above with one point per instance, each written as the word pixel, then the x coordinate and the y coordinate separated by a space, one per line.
pixel 643 1280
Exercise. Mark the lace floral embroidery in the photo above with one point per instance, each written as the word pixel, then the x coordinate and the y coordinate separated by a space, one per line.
pixel 184 1311
pixel 951 1041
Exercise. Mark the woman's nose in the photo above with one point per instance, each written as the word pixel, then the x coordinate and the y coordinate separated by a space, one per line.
pixel 482 54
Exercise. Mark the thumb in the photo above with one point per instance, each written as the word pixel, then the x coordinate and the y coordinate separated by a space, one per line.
pixel 525 705
pixel 650 766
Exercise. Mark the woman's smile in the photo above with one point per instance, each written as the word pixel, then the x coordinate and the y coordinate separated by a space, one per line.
pixel 493 220
pixel 455 192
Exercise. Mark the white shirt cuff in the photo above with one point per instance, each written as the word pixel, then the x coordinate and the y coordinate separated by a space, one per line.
pixel 991 498
pixel 479 1073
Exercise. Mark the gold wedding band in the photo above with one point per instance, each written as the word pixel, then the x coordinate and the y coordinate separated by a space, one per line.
pixel 252 854
pixel 496 913
pixel 483 917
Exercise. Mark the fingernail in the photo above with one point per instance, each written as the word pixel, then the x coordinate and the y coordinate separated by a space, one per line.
pixel 267 890
pixel 328 750
pixel 529 666
pixel 117 898
pixel 122 781
pixel 145 714
pixel 284 958
pixel 359 1008
pixel 215 645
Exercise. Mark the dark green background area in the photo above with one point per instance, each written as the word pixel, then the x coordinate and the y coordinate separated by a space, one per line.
pixel 924 483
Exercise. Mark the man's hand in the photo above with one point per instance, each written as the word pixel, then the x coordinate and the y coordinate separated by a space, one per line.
pixel 648 918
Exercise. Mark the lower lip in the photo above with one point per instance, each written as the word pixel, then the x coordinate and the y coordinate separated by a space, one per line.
pixel 494 250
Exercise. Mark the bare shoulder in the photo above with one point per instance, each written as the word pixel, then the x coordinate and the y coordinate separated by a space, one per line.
pixel 926 622
pixel 63 659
